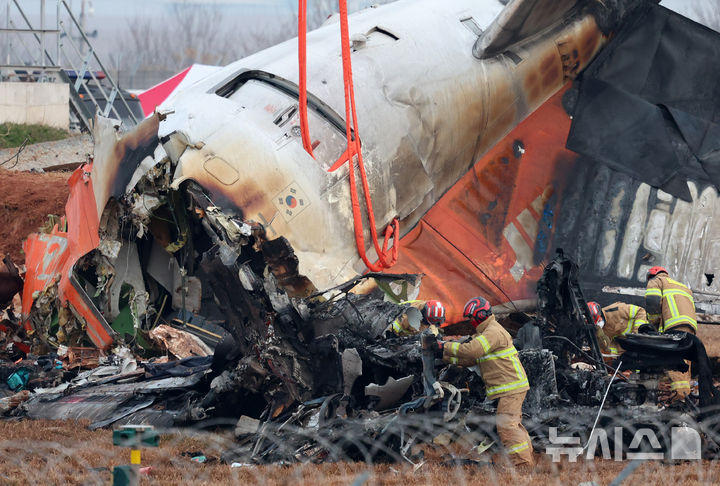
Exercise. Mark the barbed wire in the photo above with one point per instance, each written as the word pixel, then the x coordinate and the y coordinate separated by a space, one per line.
pixel 385 448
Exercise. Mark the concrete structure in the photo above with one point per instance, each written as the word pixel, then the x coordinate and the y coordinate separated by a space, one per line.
pixel 35 103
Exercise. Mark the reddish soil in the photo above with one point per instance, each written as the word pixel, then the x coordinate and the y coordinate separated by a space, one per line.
pixel 26 199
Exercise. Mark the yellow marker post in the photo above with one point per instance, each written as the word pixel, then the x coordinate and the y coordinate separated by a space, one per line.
pixel 134 437
pixel 135 457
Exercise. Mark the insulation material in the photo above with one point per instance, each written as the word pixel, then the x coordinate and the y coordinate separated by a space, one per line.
pixel 128 272
pixel 180 343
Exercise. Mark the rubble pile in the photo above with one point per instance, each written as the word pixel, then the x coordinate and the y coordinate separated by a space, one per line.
pixel 313 378
pixel 187 283
pixel 183 313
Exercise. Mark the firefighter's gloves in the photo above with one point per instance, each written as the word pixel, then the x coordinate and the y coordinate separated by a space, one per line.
pixel 647 329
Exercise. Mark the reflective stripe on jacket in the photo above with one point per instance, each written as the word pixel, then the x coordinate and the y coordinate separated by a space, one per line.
pixel 620 319
pixel 670 304
pixel 491 348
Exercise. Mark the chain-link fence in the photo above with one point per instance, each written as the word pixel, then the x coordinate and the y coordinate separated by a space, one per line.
pixel 633 445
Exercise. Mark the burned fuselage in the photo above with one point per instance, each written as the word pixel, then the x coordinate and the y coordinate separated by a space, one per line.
pixel 210 219
pixel 223 168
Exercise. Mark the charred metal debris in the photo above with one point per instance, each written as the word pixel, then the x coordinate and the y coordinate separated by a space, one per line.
pixel 304 375
pixel 212 322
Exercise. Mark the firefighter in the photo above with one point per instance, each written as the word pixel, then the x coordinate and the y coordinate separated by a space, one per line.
pixel 491 349
pixel 671 308
pixel 432 312
pixel 615 320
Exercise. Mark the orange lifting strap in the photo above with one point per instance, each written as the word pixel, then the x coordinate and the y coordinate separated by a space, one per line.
pixel 302 62
pixel 386 259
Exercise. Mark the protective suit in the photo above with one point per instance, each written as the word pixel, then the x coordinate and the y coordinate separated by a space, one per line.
pixel 671 308
pixel 620 319
pixel 491 349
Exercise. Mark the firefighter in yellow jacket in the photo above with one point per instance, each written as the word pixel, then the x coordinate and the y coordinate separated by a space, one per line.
pixel 491 348
pixel 615 320
pixel 432 312
pixel 671 307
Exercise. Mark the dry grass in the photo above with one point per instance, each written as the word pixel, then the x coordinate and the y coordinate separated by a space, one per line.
pixel 46 452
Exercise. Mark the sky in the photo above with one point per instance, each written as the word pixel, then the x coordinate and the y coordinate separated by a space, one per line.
pixel 686 7
pixel 109 19
pixel 128 8
pixel 111 16
pixel 98 9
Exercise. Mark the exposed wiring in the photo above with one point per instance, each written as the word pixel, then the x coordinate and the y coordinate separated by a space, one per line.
pixel 583 352
pixel 607 390
pixel 17 155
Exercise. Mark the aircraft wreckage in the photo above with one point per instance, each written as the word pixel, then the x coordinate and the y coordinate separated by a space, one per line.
pixel 493 134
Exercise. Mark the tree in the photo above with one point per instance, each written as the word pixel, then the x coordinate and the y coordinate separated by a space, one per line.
pixel 154 49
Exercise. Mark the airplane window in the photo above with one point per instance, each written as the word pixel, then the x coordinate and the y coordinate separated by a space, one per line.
pixel 277 105
pixel 471 25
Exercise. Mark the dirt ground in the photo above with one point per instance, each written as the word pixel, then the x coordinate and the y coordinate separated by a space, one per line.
pixel 26 198
pixel 44 452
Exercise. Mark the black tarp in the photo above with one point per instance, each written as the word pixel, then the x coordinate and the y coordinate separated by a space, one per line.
pixel 649 104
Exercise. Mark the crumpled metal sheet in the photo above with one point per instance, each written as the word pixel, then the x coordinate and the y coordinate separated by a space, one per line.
pixel 352 369
pixel 117 155
pixel 127 271
pixel 53 255
pixel 103 402
pixel 391 392
pixel 93 406
pixel 79 357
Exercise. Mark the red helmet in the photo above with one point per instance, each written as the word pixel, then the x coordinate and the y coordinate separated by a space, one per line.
pixel 654 271
pixel 477 310
pixel 596 313
pixel 434 312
